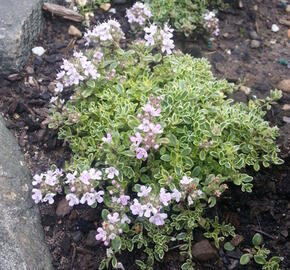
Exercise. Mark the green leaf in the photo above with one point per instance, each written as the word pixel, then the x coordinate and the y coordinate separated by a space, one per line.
pixel 245 259
pixel 202 155
pixel 181 236
pixel 228 246
pixel 259 259
pixel 116 243
pixel 102 265
pixel 105 214
pixel 165 157
pixel 185 266
pixel 212 201
pixel 133 122
pixel 128 172
pixel 257 239
pixel 141 264
pixel 114 262
pixel 172 140
pixel 275 259
pixel 120 89
pixel 196 171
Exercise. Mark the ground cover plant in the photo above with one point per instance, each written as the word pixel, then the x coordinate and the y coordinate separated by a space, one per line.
pixel 154 140
pixel 190 17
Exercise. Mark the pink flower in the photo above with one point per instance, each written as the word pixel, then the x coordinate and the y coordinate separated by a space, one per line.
pixel 102 234
pixel 164 197
pixel 145 126
pixel 136 208
pixel 107 139
pixel 70 177
pixel 49 198
pixel 125 219
pixel 59 88
pixel 123 199
pixel 137 139
pixel 72 199
pixel 113 218
pixel 95 175
pixel 111 172
pixel 85 177
pixel 88 197
pixel 144 191
pixel 50 178
pixel 99 195
pixel 98 56
pixel 37 179
pixel 156 129
pixel 185 180
pixel 141 153
pixel 138 14
pixel 37 196
pixel 149 209
pixel 158 219
pixel 176 195
pixel 151 110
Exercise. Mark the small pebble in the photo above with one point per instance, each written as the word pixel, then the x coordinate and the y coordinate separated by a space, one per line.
pixel 113 10
pixel 105 6
pixel 275 28
pixel 30 70
pixel 39 51
pixel 73 31
pixel 254 35
pixel 255 44
pixel 288 8
pixel 288 33
pixel 286 107
pixel 286 119
pixel 245 89
pixel 284 85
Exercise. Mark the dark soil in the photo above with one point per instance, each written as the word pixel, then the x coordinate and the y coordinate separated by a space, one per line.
pixel 24 102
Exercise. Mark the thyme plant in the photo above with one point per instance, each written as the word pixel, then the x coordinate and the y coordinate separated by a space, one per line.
pixel 154 140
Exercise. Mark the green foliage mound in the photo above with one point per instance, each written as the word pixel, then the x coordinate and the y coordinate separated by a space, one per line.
pixel 205 144
pixel 186 16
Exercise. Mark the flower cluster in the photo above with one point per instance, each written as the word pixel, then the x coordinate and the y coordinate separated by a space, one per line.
pixel 189 189
pixel 111 227
pixel 160 38
pixel 82 188
pixel 215 185
pixel 138 14
pixel 73 72
pixel 46 186
pixel 211 23
pixel 150 205
pixel 105 34
pixel 147 132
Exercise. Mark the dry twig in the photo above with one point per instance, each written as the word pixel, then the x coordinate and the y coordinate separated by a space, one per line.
pixel 63 12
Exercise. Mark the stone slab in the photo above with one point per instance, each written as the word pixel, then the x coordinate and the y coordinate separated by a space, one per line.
pixel 20 24
pixel 22 245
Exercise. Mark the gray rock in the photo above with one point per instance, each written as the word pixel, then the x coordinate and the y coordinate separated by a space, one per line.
pixel 254 35
pixel 21 235
pixel 284 85
pixel 63 208
pixel 20 24
pixel 203 251
pixel 255 44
